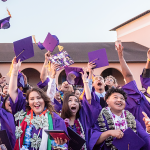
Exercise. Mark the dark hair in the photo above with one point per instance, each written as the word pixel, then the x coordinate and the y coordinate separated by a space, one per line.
pixel 110 76
pixel 3 105
pixel 115 90
pixel 0 75
pixel 46 99
pixel 45 88
pixel 66 112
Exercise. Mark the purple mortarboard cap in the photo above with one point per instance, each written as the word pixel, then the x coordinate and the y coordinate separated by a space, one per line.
pixel 20 81
pixel 40 45
pixel 4 0
pixel 74 76
pixel 24 48
pixel 42 85
pixel 4 23
pixel 130 141
pixel 99 57
pixel 50 43
pixel 56 39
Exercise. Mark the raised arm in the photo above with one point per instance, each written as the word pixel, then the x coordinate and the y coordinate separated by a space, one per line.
pixel 13 80
pixel 124 67
pixel 90 67
pixel 44 74
pixel 51 91
pixel 86 86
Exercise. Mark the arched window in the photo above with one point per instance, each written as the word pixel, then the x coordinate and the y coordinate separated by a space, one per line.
pixel 114 72
pixel 33 76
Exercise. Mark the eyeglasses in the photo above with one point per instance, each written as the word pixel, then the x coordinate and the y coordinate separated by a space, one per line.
pixel 111 80
pixel 98 78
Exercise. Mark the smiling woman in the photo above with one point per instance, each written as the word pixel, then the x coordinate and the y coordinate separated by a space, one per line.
pixel 39 116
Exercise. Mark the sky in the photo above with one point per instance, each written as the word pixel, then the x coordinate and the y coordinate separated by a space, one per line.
pixel 70 21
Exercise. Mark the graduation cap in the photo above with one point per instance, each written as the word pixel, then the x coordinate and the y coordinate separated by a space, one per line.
pixel 4 23
pixel 51 41
pixel 20 80
pixel 76 141
pixel 24 48
pixel 99 57
pixel 4 0
pixel 74 76
pixel 130 141
pixel 42 85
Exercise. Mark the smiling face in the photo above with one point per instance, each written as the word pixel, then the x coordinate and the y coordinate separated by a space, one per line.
pixel 116 102
pixel 98 84
pixel 66 87
pixel 73 104
pixel 7 105
pixel 36 102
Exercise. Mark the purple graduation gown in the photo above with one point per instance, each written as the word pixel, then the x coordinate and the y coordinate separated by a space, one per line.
pixel 145 84
pixel 136 102
pixel 8 124
pixel 20 102
pixel 96 134
pixel 57 105
pixel 86 114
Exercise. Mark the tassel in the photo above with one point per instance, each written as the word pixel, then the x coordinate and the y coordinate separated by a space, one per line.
pixel 81 96
pixel 8 12
pixel 33 36
pixel 60 48
pixel 10 70
pixel 48 66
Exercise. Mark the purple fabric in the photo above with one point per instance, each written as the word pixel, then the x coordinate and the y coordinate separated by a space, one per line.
pixel 50 42
pixel 45 83
pixel 87 113
pixel 145 82
pixel 26 45
pixel 20 103
pixel 96 134
pixel 20 80
pixel 58 124
pixel 99 57
pixel 136 102
pixel 2 99
pixel 4 22
pixel 57 105
pixel 76 71
pixel 7 122
pixel 40 45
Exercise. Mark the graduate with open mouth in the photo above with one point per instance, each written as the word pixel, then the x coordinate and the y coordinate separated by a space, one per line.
pixel 78 114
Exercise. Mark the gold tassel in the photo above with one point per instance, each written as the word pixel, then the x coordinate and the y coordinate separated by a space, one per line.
pixel 8 12
pixel 81 96
pixel 48 66
pixel 33 36
pixel 60 48
pixel 10 70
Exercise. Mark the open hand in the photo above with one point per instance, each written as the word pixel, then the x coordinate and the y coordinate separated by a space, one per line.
pixel 146 120
pixel 119 50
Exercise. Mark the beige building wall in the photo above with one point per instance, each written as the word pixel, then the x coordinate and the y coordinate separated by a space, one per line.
pixel 136 69
pixel 136 31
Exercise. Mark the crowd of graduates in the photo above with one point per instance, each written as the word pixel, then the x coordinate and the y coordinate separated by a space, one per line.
pixel 106 115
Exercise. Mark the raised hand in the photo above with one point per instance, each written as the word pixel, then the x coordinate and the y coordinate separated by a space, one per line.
pixel 146 120
pixel 90 66
pixel 148 54
pixel 54 67
pixel 119 50
pixel 84 75
pixel 47 55
pixel 16 65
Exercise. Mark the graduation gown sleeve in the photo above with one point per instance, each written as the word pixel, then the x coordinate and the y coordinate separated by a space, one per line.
pixel 20 103
pixel 136 102
pixel 144 135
